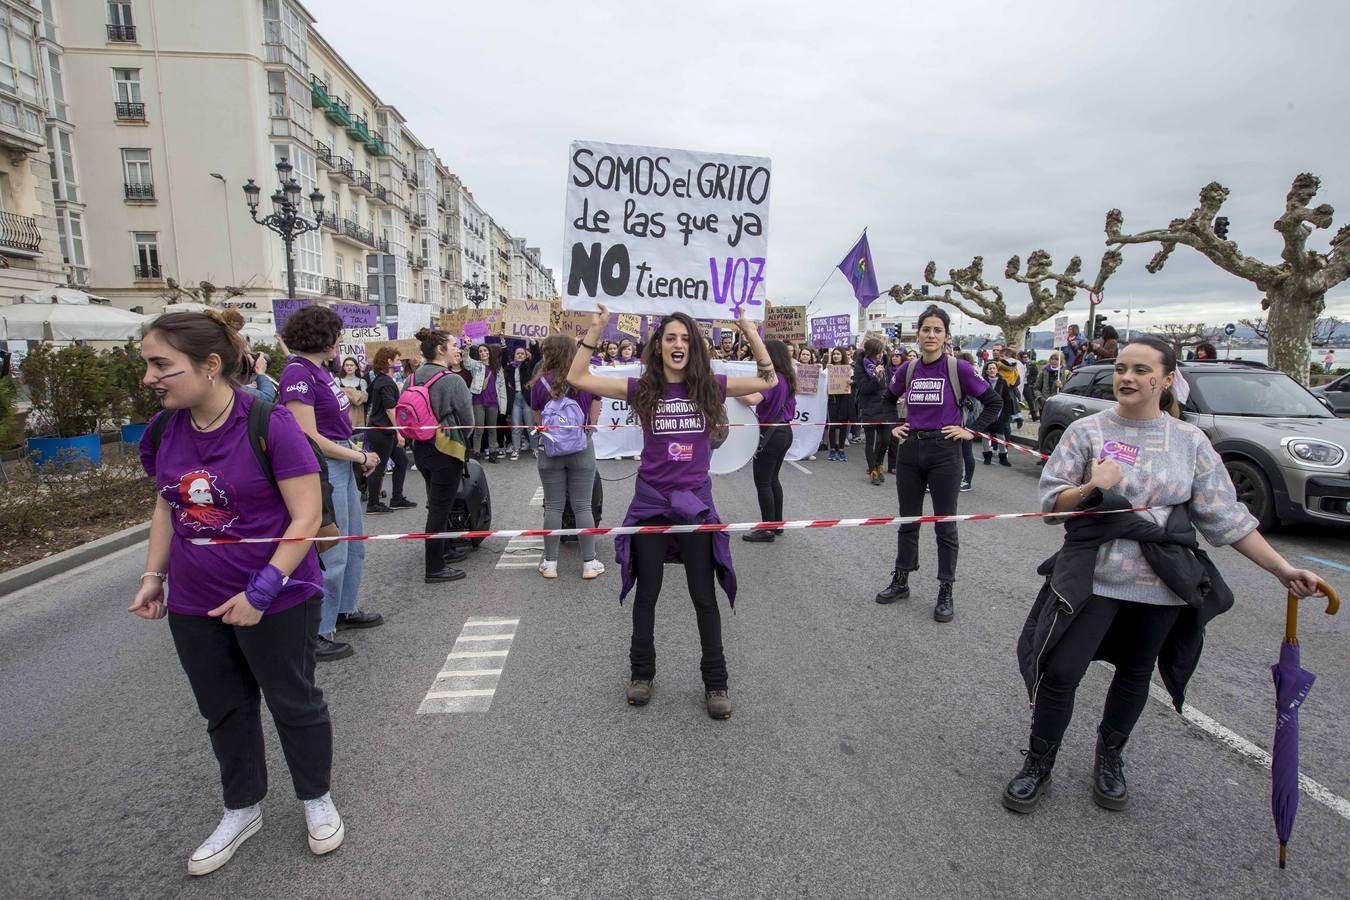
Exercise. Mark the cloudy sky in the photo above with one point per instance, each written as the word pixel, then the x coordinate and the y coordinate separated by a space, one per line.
pixel 947 128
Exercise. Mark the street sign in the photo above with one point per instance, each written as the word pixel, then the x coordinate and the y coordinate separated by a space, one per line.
pixel 1229 329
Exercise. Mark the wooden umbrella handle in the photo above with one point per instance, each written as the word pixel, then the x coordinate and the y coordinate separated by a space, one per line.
pixel 1291 610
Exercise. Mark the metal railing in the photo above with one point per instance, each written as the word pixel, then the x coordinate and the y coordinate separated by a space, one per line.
pixel 362 179
pixel 137 191
pixel 356 232
pixel 132 112
pixel 122 33
pixel 380 193
pixel 331 287
pixel 147 272
pixel 382 244
pixel 330 220
pixel 323 153
pixel 20 233
pixel 343 166
pixel 351 291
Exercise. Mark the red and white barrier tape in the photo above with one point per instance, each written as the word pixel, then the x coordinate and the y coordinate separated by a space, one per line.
pixel 1018 447
pixel 669 529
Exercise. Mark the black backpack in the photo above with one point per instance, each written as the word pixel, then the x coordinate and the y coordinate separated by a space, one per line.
pixel 259 417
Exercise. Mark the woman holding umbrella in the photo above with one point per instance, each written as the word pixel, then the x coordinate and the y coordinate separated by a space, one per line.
pixel 1134 589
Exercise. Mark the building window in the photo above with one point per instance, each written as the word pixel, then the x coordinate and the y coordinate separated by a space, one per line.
pixel 337 266
pixel 286 35
pixel 147 254
pixel 56 103
pixel 127 101
pixel 140 184
pixel 276 92
pixel 62 155
pixel 120 25
pixel 300 109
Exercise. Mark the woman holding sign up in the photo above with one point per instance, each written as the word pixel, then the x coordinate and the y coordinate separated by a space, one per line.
pixel 679 402
pixel 933 388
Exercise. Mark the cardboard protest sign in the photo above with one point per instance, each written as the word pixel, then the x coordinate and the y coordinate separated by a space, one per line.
pixel 654 231
pixel 808 379
pixel 572 324
pixel 785 323
pixel 629 324
pixel 528 319
pixel 408 348
pixel 831 331
pixel 839 377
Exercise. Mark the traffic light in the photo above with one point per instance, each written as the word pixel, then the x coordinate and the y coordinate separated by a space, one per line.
pixel 923 289
pixel 1221 228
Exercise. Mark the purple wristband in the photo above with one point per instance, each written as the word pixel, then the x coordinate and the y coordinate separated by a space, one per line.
pixel 264 587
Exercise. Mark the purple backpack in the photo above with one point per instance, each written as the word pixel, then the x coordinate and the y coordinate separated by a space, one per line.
pixel 565 412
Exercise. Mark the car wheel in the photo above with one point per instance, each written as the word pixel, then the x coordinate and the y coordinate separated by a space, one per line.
pixel 1051 440
pixel 1253 490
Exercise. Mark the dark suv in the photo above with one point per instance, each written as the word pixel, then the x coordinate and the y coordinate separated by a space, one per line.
pixel 1286 452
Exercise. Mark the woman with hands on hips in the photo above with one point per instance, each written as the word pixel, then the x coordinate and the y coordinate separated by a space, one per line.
pixel 244 617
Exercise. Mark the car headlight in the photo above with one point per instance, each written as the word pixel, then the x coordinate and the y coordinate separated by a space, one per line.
pixel 1313 452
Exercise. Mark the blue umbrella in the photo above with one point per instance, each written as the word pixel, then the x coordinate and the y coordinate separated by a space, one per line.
pixel 1292 683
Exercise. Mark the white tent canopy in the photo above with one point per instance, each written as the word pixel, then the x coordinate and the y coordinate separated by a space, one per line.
pixel 60 295
pixel 67 322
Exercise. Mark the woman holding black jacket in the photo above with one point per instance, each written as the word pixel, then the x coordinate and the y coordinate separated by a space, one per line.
pixel 518 374
pixel 383 440
pixel 1134 589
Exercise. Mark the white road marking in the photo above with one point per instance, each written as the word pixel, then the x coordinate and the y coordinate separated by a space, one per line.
pixel 522 553
pixel 799 467
pixel 538 498
pixel 1244 747
pixel 458 686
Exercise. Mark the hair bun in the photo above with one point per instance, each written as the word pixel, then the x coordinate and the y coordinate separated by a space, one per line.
pixel 232 318
pixel 424 334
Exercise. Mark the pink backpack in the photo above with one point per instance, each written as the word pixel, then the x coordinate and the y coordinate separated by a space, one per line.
pixel 413 414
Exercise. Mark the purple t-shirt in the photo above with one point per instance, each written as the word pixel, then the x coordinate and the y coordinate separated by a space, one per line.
pixel 540 395
pixel 488 395
pixel 929 402
pixel 215 488
pixel 677 443
pixel 317 388
pixel 778 405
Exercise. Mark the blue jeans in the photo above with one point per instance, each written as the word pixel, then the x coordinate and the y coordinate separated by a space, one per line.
pixel 522 417
pixel 343 564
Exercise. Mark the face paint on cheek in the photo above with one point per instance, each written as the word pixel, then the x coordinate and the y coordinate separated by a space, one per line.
pixel 1153 384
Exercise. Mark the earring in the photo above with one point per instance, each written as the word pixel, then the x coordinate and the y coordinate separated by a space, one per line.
pixel 211 379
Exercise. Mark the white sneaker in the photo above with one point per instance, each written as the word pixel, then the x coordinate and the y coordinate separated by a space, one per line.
pixel 549 568
pixel 515 455
pixel 592 568
pixel 236 826
pixel 326 830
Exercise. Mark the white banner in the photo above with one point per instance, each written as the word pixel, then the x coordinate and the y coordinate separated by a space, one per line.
pixel 653 231
pixel 613 438
pixel 411 317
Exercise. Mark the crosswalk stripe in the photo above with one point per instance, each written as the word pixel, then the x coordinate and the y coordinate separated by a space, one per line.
pixel 538 498
pixel 440 699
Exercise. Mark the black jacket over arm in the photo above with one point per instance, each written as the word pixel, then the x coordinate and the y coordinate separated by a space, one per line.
pixel 1171 550
pixel 526 373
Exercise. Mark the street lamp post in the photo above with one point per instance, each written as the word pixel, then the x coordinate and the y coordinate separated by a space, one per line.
pixel 286 218
pixel 1129 312
pixel 476 292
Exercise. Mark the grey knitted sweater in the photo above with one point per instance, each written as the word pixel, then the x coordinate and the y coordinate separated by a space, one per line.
pixel 1165 462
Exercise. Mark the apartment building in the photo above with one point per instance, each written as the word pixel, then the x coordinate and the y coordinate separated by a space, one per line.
pixel 31 109
pixel 530 278
pixel 179 104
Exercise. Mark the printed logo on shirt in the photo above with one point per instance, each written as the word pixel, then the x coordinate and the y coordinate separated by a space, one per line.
pixel 1121 452
pixel 926 392
pixel 298 387
pixel 678 417
pixel 200 502
pixel 680 452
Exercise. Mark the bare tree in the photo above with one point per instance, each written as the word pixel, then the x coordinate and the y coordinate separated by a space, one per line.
pixel 1295 289
pixel 1324 329
pixel 204 292
pixel 1182 335
pixel 1050 291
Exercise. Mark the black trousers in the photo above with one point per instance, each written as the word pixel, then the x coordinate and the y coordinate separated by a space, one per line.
pixel 968 458
pixel 386 445
pixel 441 474
pixel 767 464
pixel 228 666
pixel 936 464
pixel 876 441
pixel 649 559
pixel 1139 629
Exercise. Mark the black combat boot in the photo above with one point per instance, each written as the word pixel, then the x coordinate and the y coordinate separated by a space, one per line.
pixel 1108 771
pixel 898 589
pixel 943 611
pixel 1025 790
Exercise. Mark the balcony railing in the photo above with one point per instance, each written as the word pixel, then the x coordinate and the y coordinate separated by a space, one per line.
pixel 343 166
pixel 382 244
pixel 357 233
pixel 318 92
pixel 380 193
pixel 361 179
pixel 412 179
pixel 122 33
pixel 351 291
pixel 445 237
pixel 136 191
pixel 419 220
pixel 19 233
pixel 330 220
pixel 323 154
pixel 145 273
pixel 331 287
pixel 130 112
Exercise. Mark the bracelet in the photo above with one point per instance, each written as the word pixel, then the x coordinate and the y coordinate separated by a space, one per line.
pixel 591 347
pixel 160 575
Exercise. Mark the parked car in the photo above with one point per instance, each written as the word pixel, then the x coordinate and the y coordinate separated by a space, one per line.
pixel 1285 451
pixel 1337 394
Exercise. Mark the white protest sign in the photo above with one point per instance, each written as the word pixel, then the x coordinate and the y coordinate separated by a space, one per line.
pixel 411 317
pixel 613 438
pixel 654 231
pixel 1061 331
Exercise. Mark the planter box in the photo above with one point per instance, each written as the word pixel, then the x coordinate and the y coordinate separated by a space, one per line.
pixel 47 451
pixel 131 434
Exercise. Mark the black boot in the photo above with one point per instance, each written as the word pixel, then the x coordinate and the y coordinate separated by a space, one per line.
pixel 1025 790
pixel 943 611
pixel 988 459
pixel 898 589
pixel 1108 771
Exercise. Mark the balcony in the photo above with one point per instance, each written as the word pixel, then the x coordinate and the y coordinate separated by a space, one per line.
pixel 357 128
pixel 380 193
pixel 356 233
pixel 419 220
pixel 376 143
pixel 361 181
pixel 382 244
pixel 330 287
pixel 19 235
pixel 417 262
pixel 343 167
pixel 412 179
pixel 330 220
pixel 129 112
pixel 351 291
pixel 147 273
pixel 445 238
pixel 318 92
pixel 440 203
pixel 323 154
pixel 122 34
pixel 336 112
pixel 139 192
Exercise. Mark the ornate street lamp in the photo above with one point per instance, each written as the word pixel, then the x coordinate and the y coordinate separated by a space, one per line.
pixel 286 218
pixel 477 292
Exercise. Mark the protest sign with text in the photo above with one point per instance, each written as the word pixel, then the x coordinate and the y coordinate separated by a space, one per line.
pixel 831 331
pixel 1061 331
pixel 785 323
pixel 284 309
pixel 527 319
pixel 355 315
pixel 653 231
pixel 840 379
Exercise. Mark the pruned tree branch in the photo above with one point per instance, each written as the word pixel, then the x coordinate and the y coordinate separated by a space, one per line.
pixel 1257 325
pixel 1182 335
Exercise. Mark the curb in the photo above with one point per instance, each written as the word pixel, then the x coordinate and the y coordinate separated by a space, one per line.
pixel 26 576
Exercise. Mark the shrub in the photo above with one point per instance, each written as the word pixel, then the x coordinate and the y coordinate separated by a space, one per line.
pixel 71 391
pixel 133 400
pixel 11 425
pixel 276 358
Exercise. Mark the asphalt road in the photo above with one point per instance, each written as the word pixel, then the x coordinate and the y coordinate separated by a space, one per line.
pixel 865 757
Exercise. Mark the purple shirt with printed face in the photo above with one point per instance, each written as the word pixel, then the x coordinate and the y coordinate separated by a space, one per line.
pixel 315 387
pixel 677 443
pixel 778 405
pixel 215 488
pixel 929 402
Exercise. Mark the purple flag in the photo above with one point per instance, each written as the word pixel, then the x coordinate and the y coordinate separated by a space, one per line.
pixel 857 268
